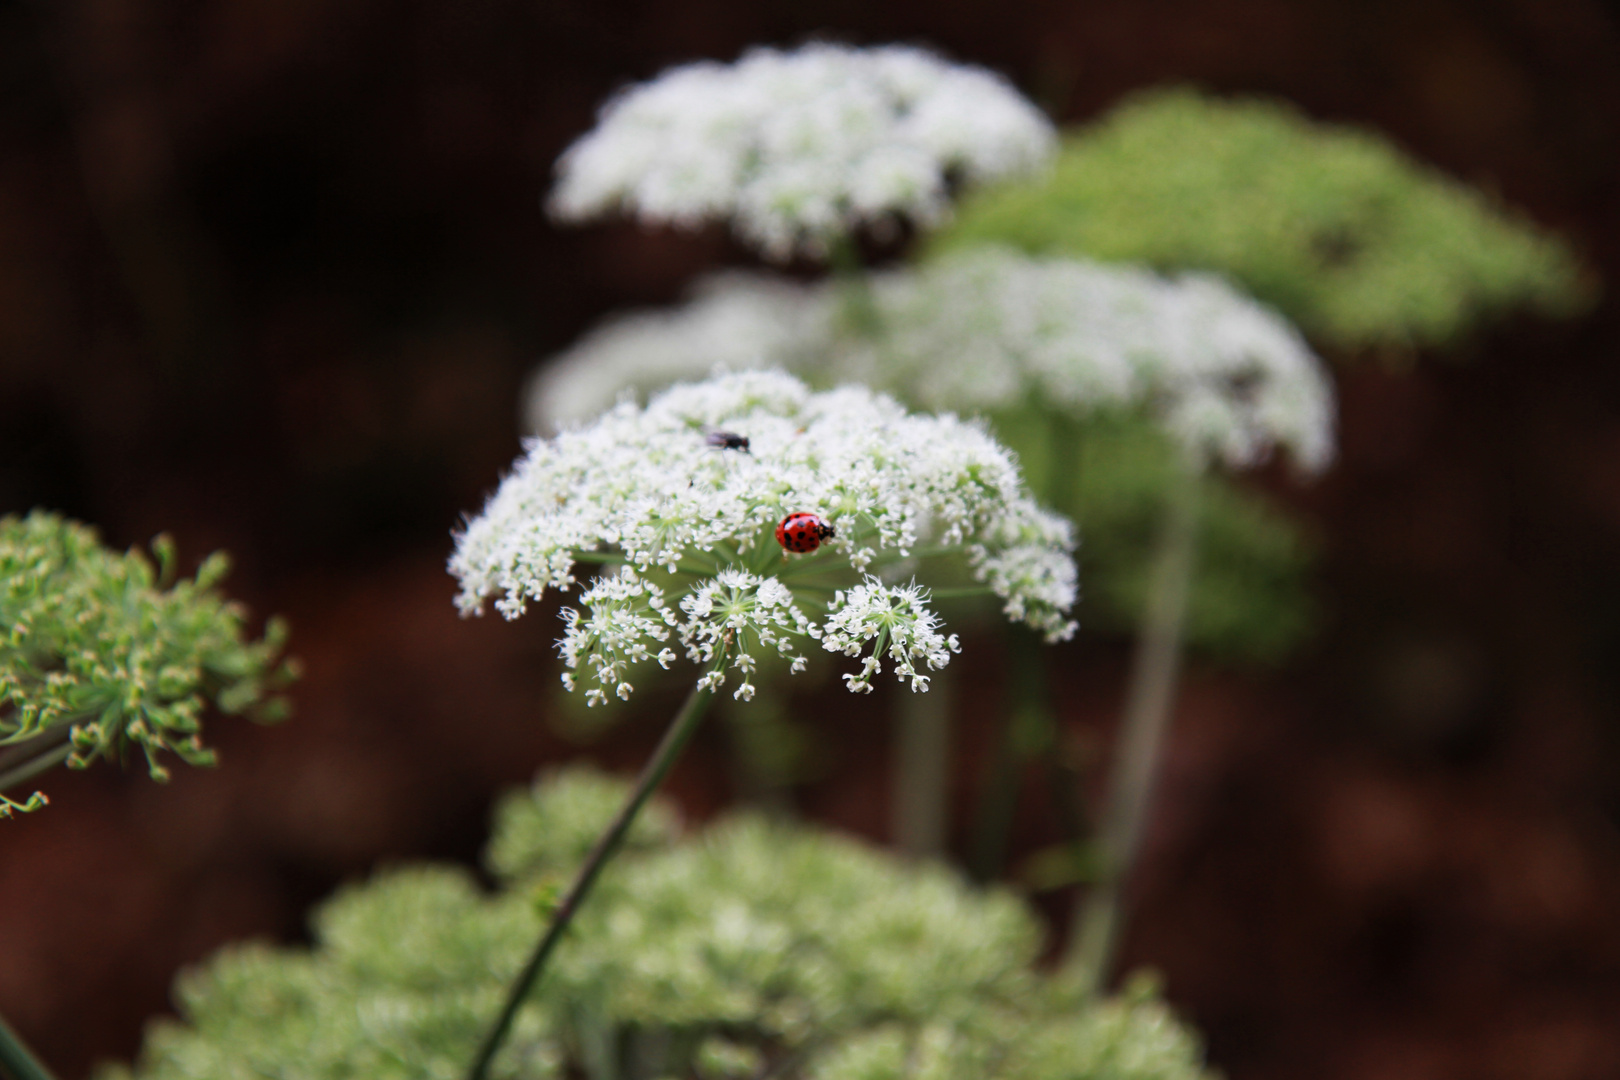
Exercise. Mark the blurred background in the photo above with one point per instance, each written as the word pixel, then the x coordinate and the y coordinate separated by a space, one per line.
pixel 272 273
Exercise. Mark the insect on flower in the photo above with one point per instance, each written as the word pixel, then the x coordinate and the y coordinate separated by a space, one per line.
pixel 803 532
pixel 728 440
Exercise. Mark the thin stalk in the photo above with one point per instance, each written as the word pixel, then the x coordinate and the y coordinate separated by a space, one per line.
pixel 923 767
pixel 1149 698
pixel 657 767
pixel 32 767
pixel 16 1061
pixel 962 593
pixel 1027 731
pixel 1030 727
pixel 860 311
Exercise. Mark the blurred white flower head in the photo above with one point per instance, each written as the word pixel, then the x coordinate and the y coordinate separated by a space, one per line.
pixel 989 330
pixel 799 148
pixel 686 533
pixel 734 321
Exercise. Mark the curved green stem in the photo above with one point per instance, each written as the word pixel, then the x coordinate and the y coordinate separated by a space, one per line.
pixel 16 1061
pixel 657 767
pixel 35 765
pixel 1097 922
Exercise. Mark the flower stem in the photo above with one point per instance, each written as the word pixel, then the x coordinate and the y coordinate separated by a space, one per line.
pixel 923 767
pixel 1028 730
pixel 652 774
pixel 859 308
pixel 33 766
pixel 1097 920
pixel 16 1061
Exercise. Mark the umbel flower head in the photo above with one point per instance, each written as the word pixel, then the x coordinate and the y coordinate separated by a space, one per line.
pixel 685 533
pixel 799 148
pixel 989 330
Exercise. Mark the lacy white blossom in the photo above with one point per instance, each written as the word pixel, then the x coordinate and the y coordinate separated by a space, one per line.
pixel 990 329
pixel 797 148
pixel 891 617
pixel 688 531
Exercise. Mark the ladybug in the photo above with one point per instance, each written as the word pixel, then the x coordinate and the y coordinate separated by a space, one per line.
pixel 728 440
pixel 803 532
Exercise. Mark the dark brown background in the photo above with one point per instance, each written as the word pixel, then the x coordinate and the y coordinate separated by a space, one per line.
pixel 271 272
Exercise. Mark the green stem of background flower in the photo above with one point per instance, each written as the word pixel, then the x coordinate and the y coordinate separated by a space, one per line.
pixel 923 767
pixel 657 767
pixel 854 286
pixel 16 1062
pixel 1097 922
pixel 1029 730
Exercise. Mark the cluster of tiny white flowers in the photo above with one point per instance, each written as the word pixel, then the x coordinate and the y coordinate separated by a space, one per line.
pixel 797 148
pixel 627 616
pixel 741 605
pixel 991 329
pixel 895 617
pixel 642 489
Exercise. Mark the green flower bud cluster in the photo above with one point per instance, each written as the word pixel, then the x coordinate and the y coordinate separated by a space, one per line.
pixel 101 651
pixel 1334 227
pixel 753 948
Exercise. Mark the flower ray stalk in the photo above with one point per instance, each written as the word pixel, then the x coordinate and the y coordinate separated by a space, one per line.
pixel 16 1061
pixel 652 775
pixel 1098 920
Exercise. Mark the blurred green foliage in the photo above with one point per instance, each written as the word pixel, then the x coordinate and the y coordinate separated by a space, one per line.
pixel 751 949
pixel 100 650
pixel 1336 228
pixel 1250 598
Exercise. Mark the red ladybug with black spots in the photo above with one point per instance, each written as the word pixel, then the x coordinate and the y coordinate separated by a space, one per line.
pixel 803 532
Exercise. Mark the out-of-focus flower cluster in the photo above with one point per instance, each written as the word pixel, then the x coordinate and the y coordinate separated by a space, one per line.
pixel 989 330
pixel 102 651
pixel 799 148
pixel 1336 228
pixel 688 530
pixel 751 949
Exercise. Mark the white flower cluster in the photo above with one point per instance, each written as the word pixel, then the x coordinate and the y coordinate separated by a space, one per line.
pixel 643 491
pixel 991 329
pixel 894 617
pixel 798 148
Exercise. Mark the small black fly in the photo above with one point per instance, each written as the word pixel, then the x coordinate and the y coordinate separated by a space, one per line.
pixel 728 440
